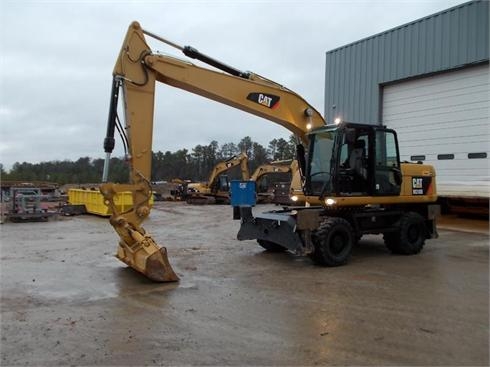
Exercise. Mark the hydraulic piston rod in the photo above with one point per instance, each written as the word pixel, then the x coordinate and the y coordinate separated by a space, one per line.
pixel 193 53
pixel 109 141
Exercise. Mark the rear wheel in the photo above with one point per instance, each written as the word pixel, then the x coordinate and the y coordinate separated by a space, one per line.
pixel 410 238
pixel 333 242
pixel 271 246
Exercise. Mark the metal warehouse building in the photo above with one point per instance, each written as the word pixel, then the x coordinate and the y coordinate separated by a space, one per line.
pixel 428 80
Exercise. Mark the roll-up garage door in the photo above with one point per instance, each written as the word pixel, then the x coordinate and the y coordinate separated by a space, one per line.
pixel 443 120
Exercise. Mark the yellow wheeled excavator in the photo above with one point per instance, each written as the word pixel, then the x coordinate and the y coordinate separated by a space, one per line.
pixel 352 177
pixel 217 188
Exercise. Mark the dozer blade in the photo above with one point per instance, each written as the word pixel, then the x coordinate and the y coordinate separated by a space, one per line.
pixel 146 257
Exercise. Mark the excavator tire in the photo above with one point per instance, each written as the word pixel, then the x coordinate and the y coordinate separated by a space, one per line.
pixel 410 238
pixel 333 241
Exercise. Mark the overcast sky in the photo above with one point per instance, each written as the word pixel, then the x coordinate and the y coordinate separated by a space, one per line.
pixel 57 59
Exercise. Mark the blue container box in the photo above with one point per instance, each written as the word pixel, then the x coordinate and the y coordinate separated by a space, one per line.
pixel 242 193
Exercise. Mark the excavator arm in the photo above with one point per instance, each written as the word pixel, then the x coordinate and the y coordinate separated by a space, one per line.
pixel 136 72
pixel 273 167
pixel 240 159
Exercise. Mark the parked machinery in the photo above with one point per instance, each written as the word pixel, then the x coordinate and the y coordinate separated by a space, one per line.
pixel 25 205
pixel 179 190
pixel 216 189
pixel 370 191
pixel 271 169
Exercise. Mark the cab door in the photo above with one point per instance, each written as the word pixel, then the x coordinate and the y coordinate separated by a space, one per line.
pixel 387 172
pixel 354 173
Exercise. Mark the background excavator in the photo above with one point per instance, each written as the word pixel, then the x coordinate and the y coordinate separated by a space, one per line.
pixel 376 195
pixel 296 192
pixel 274 167
pixel 271 169
pixel 179 190
pixel 216 189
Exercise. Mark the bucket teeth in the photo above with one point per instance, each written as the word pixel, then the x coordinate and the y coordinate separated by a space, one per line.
pixel 158 267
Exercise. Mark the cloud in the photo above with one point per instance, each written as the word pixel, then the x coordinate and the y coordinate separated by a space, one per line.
pixel 57 60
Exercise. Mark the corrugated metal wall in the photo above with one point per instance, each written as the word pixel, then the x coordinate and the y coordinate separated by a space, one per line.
pixel 450 39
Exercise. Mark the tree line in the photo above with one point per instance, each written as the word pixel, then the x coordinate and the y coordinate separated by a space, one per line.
pixel 194 165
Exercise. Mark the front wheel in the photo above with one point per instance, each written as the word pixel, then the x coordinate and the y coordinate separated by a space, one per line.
pixel 333 241
pixel 410 238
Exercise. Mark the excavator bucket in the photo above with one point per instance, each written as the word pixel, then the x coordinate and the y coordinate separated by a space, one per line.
pixel 146 257
pixel 137 248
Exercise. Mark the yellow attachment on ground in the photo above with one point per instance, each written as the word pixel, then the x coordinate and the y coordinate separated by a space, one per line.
pixel 136 248
pixel 145 256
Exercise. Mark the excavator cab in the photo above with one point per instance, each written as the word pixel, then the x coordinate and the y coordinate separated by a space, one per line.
pixel 353 160
pixel 223 183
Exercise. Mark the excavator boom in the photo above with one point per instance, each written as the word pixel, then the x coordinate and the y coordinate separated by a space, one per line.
pixel 240 159
pixel 268 168
pixel 136 71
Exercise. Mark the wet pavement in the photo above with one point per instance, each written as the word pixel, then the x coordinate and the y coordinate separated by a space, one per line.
pixel 65 300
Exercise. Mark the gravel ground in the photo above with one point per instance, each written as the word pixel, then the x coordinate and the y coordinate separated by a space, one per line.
pixel 65 300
